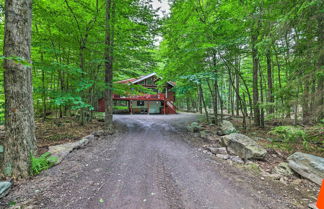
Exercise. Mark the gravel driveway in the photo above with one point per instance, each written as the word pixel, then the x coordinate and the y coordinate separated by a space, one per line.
pixel 149 165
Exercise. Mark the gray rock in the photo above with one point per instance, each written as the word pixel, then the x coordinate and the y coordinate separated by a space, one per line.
pixel 243 146
pixel 282 169
pixel 308 166
pixel 207 152
pixel 98 134
pixel 204 134
pixel 222 156
pixel 273 176
pixel 4 188
pixel 213 139
pixel 62 150
pixel 227 128
pixel 215 150
pixel 236 159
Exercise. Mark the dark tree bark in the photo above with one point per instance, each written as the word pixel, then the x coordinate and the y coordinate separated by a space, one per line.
pixel 109 69
pixel 200 105
pixel 214 101
pixel 237 83
pixel 262 98
pixel 217 90
pixel 255 61
pixel 20 140
pixel 270 97
pixel 203 101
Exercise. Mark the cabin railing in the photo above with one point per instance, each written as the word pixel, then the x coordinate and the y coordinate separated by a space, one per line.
pixel 159 96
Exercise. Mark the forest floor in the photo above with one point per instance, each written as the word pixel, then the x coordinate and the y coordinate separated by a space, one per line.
pixel 54 131
pixel 62 130
pixel 151 162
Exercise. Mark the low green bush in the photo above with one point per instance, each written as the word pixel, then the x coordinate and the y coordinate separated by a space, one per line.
pixel 120 108
pixel 290 134
pixel 43 162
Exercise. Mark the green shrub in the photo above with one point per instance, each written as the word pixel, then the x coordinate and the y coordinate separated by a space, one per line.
pixel 120 108
pixel 322 121
pixel 289 133
pixel 43 162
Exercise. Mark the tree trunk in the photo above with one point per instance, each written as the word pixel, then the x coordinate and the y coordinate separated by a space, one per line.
pixel 214 101
pixel 305 102
pixel 237 83
pixel 204 102
pixel 270 97
pixel 262 99
pixel 20 142
pixel 200 100
pixel 255 60
pixel 220 100
pixel 109 69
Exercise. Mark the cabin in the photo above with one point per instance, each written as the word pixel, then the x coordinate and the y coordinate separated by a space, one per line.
pixel 161 102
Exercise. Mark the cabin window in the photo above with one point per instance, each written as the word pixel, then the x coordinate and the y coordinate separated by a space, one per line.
pixel 140 103
pixel 149 82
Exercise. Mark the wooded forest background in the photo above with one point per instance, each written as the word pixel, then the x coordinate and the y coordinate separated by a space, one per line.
pixel 259 59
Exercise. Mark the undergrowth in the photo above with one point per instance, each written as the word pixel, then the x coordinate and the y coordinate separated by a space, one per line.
pixel 43 162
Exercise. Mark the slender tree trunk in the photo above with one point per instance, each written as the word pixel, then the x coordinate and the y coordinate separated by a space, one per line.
pixel 200 106
pixel 220 100
pixel 44 90
pixel 296 107
pixel 241 101
pixel 270 97
pixel 204 102
pixel 262 99
pixel 20 140
pixel 237 83
pixel 255 60
pixel 214 101
pixel 287 61
pixel 109 69
pixel 305 102
pixel 188 104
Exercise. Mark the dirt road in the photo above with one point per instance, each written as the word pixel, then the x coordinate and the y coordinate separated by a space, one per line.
pixel 149 166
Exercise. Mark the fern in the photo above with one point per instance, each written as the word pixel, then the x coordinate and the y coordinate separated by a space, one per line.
pixel 43 162
pixel 290 134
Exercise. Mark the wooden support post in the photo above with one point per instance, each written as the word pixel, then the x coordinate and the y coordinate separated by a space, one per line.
pixel 164 106
pixel 148 107
pixel 131 107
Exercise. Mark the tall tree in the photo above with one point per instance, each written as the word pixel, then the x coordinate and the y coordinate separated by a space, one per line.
pixel 109 67
pixel 19 112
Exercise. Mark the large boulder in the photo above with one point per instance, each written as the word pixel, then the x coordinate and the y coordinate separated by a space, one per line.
pixel 308 166
pixel 226 127
pixel 4 188
pixel 243 146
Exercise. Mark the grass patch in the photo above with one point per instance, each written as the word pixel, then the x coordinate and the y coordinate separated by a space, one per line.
pixel 43 162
